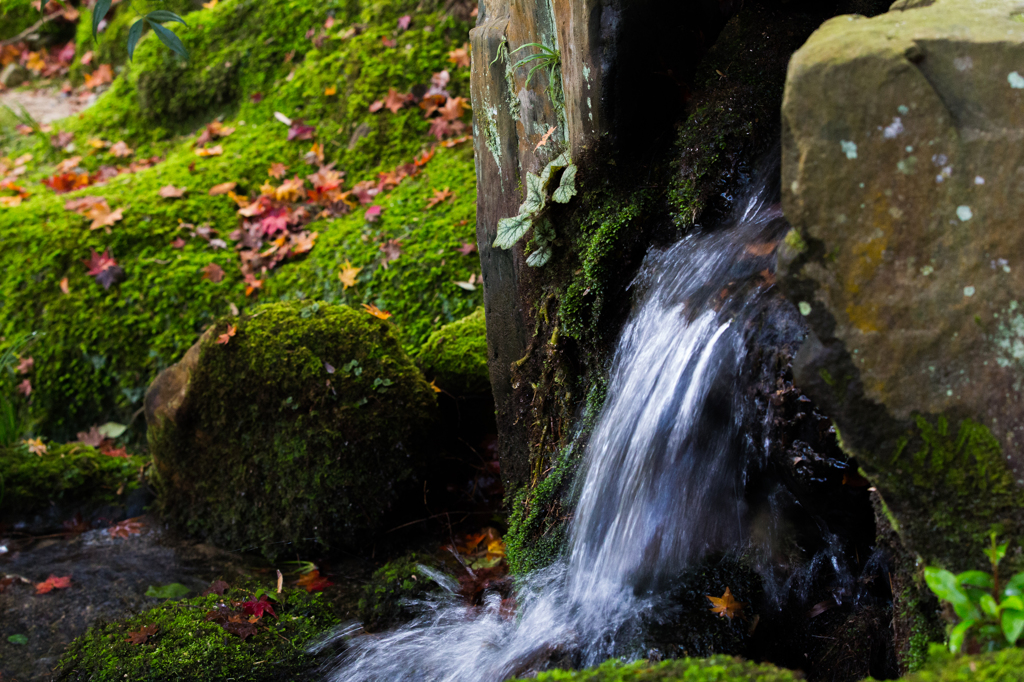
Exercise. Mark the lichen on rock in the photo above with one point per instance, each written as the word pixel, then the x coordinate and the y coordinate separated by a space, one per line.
pixel 304 429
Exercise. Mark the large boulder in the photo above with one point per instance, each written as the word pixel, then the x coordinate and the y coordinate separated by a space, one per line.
pixel 305 427
pixel 902 176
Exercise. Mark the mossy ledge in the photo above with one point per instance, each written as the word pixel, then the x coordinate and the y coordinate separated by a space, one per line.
pixel 303 430
pixel 186 646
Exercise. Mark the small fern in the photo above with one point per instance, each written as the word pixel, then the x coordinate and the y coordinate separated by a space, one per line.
pixel 546 58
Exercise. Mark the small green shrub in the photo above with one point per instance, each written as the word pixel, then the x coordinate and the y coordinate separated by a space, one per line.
pixel 990 614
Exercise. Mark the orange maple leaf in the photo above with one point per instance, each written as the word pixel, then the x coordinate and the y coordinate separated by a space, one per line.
pixel 395 101
pixel 172 192
pixel 121 150
pixel 313 581
pixel 348 274
pixel 222 188
pixel 210 151
pixel 439 196
pixel 460 56
pixel 375 311
pixel 53 583
pixel 726 606
pixel 277 170
pixel 125 528
pixel 226 336
pixel 213 272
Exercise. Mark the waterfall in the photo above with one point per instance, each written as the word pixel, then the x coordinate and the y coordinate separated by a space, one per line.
pixel 662 483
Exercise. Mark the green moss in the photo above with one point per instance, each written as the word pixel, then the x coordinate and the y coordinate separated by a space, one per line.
pixel 385 600
pixel 1002 666
pixel 455 356
pixel 273 449
pixel 948 489
pixel 16 16
pixel 68 475
pixel 536 536
pixel 186 646
pixel 714 669
pixel 101 348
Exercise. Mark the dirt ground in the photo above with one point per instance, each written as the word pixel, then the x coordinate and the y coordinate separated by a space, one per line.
pixel 46 106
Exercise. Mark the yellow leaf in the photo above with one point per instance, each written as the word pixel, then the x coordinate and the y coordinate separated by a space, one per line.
pixel 331 91
pixel 210 151
pixel 726 605
pixel 375 311
pixel 348 274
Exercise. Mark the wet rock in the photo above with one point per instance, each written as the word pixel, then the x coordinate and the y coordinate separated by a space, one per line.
pixel 303 429
pixel 13 75
pixel 901 177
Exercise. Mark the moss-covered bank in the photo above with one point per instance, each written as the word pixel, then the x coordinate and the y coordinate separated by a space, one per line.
pixel 714 669
pixel 455 356
pixel 304 429
pixel 187 644
pixel 101 347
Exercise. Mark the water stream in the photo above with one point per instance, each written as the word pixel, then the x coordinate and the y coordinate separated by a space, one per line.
pixel 662 483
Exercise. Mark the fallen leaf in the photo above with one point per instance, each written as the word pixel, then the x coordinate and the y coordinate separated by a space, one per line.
pixel 403 22
pixel 102 216
pixel 218 587
pixel 121 150
pixel 453 108
pixel 258 608
pixel 144 633
pixel 35 446
pixel 92 437
pixel 375 311
pixel 376 106
pixel 178 243
pixel 277 170
pixel 303 242
pixel 372 214
pixel 726 606
pixel 391 249
pixel 395 101
pixel 435 387
pixel 25 388
pixel 545 139
pixel 222 188
pixel 388 42
pixel 223 339
pixel 64 287
pixel 313 581
pixel 211 4
pixel 210 151
pixel 53 583
pixel 348 274
pixel 256 97
pixel 126 528
pixel 460 56
pixel 103 268
pixel 761 249
pixel 329 91
pixel 467 248
pixel 62 139
pixel 172 192
pixel 10 202
pixel 213 272
pixel 86 58
pixel 232 622
pixel 329 23
pixel 299 131
pixel 439 196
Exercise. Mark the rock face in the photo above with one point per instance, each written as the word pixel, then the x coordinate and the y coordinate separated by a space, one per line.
pixel 303 429
pixel 902 176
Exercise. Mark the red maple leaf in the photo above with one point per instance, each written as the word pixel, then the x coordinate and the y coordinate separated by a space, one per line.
pixel 53 583
pixel 395 101
pixel 258 608
pixel 314 582
pixel 103 268
pixel 439 127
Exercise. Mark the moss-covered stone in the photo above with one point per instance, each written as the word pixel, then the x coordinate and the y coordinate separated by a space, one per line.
pixel 1001 666
pixel 71 476
pixel 386 598
pixel 455 356
pixel 101 348
pixel 303 430
pixel 187 646
pixel 714 669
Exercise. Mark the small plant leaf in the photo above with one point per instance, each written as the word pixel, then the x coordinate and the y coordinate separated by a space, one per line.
pixel 539 257
pixel 975 579
pixel 958 633
pixel 169 38
pixel 98 12
pixel 535 197
pixel 1013 624
pixel 1015 586
pixel 511 230
pixel 20 640
pixel 946 587
pixel 988 605
pixel 163 16
pixel 134 33
pixel 567 187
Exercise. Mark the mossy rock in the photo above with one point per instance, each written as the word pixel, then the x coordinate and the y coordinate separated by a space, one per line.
pixel 187 646
pixel 714 669
pixel 304 429
pixel 1001 666
pixel 387 597
pixel 455 356
pixel 44 490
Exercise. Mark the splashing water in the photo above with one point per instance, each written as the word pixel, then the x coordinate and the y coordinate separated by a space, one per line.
pixel 662 484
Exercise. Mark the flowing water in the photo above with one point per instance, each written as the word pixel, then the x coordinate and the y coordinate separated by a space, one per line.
pixel 662 484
